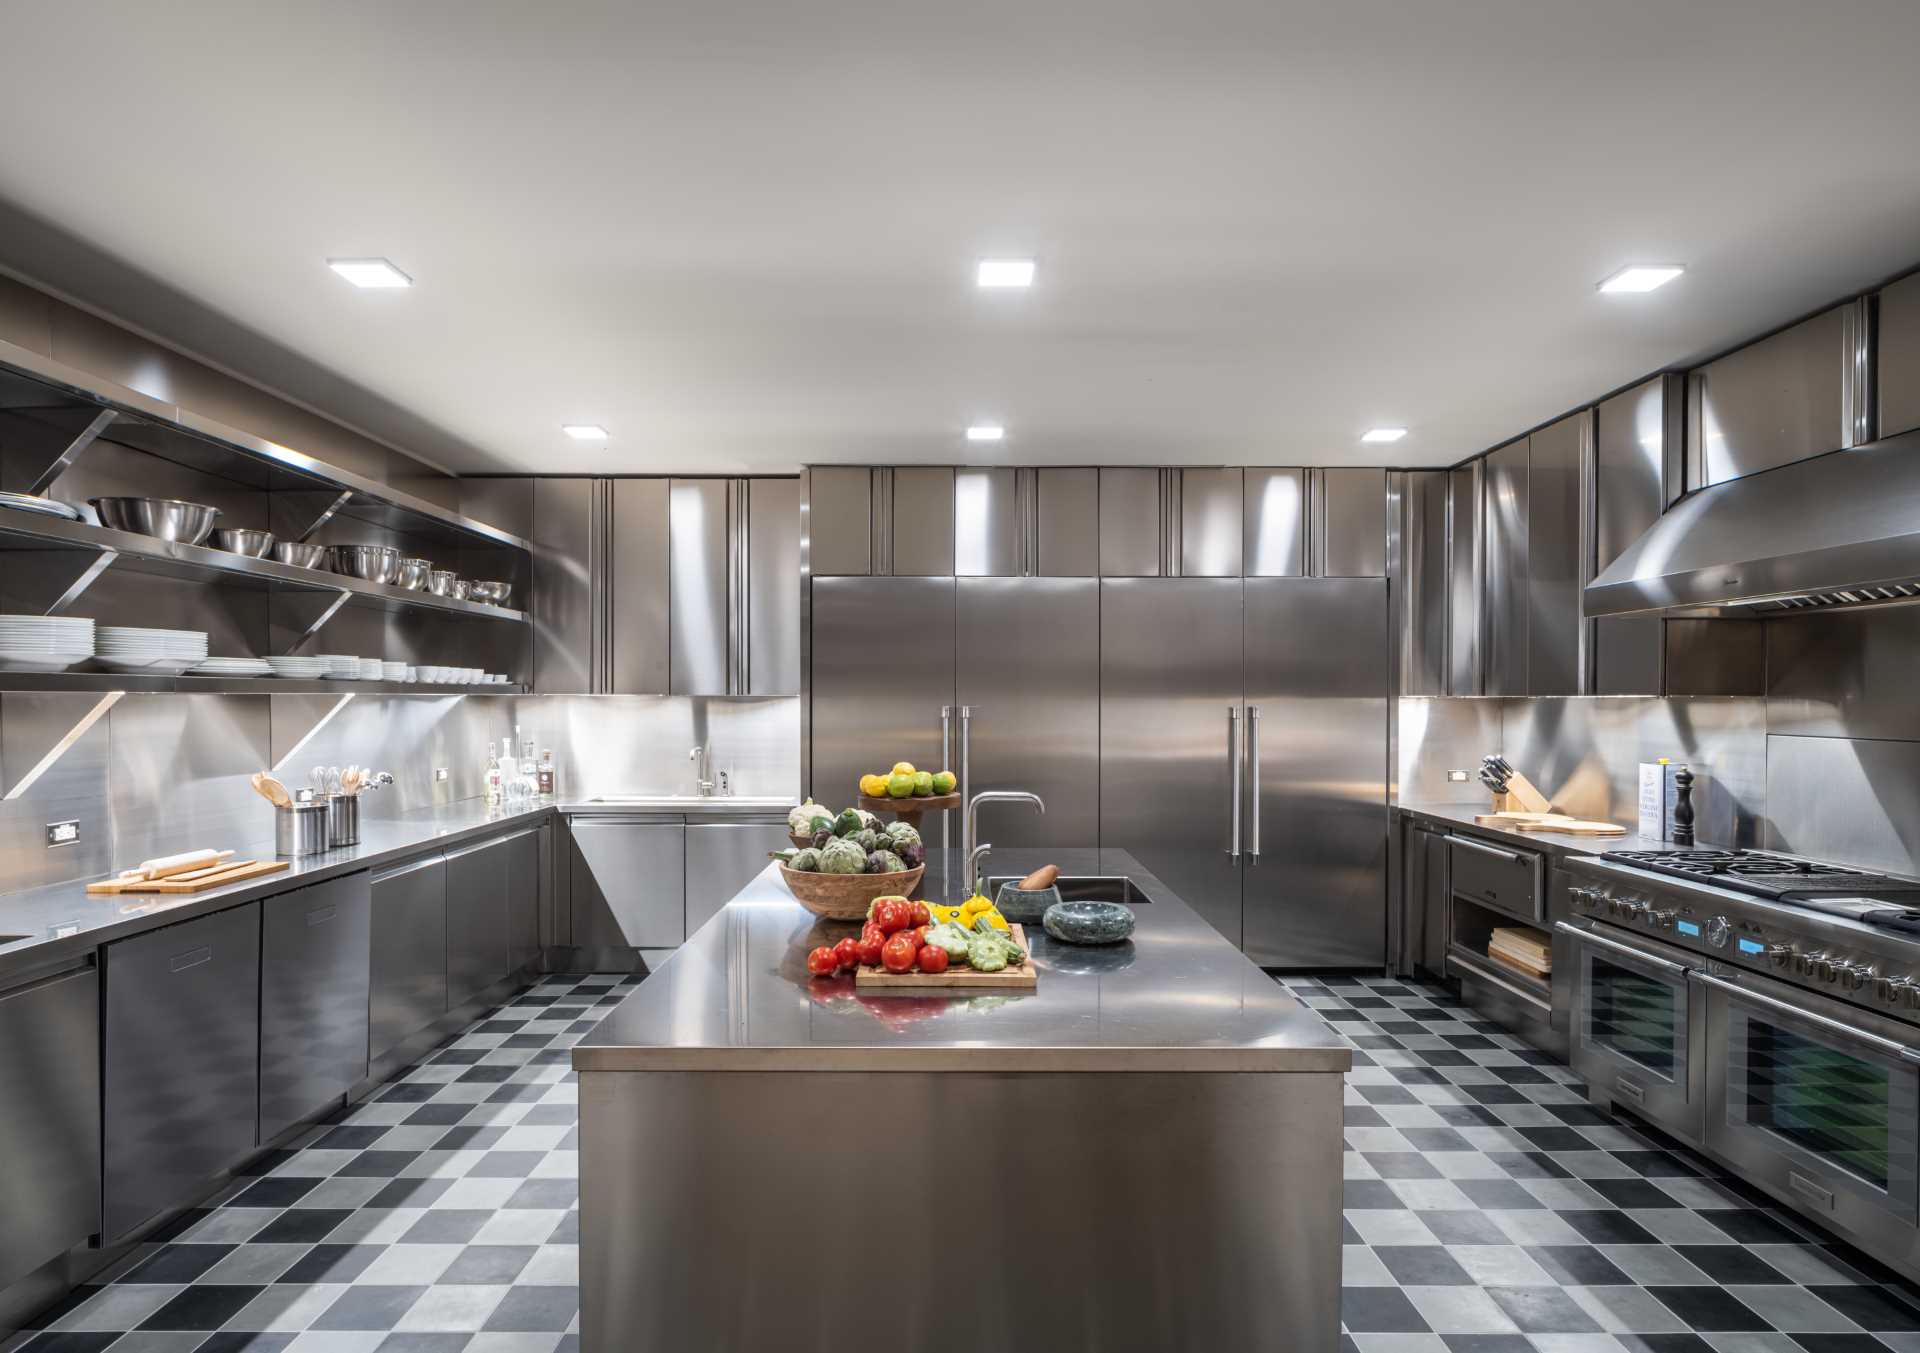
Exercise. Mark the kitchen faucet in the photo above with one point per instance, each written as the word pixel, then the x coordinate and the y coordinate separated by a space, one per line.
pixel 972 848
pixel 705 758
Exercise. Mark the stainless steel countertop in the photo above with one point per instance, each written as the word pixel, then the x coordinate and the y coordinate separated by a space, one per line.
pixel 60 921
pixel 1176 997
pixel 686 805
pixel 1555 843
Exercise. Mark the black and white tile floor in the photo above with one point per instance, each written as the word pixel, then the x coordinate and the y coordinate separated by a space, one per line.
pixel 1489 1210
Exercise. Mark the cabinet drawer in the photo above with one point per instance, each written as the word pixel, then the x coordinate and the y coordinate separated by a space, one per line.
pixel 49 1120
pixel 1507 880
pixel 314 956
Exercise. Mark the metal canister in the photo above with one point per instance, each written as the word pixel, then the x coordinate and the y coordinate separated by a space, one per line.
pixel 343 819
pixel 301 829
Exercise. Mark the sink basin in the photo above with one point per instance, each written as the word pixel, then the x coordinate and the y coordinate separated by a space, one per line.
pixel 1084 888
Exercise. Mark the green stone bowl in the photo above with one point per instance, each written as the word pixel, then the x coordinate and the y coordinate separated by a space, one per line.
pixel 1025 905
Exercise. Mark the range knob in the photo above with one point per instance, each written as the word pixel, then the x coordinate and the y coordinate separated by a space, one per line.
pixel 1780 955
pixel 1662 920
pixel 1852 976
pixel 1901 991
pixel 1627 909
pixel 1821 968
pixel 1717 931
pixel 1586 898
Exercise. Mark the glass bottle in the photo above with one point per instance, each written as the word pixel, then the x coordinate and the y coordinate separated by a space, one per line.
pixel 495 788
pixel 546 779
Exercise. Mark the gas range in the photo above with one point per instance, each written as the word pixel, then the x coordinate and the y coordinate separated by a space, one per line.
pixel 1846 933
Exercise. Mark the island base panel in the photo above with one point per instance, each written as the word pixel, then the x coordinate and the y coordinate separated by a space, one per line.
pixel 1111 1211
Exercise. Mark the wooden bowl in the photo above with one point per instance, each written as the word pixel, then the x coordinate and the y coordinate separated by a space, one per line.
pixel 800 842
pixel 846 897
pixel 909 809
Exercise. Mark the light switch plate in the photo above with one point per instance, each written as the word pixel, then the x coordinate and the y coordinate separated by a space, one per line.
pixel 439 774
pixel 63 833
pixel 1458 777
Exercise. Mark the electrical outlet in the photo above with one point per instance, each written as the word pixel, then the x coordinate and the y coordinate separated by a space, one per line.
pixel 439 774
pixel 1458 777
pixel 63 834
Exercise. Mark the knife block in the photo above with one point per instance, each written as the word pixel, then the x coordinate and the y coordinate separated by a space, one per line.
pixel 1521 797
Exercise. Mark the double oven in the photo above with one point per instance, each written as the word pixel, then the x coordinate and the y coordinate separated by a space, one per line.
pixel 1791 1059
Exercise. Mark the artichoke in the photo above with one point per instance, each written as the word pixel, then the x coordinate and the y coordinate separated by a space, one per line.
pixel 867 820
pixel 884 862
pixel 912 856
pixel 821 836
pixel 805 861
pixel 902 834
pixel 843 857
pixel 868 838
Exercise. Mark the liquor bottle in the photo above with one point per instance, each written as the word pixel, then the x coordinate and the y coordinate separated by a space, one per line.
pixel 547 776
pixel 495 788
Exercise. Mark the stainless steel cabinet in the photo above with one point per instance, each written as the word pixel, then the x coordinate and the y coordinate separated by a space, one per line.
pixel 181 1086
pixel 628 882
pixel 1428 924
pixel 839 520
pixel 569 540
pixel 1424 583
pixel 1630 451
pixel 1785 398
pixel 1897 378
pixel 1028 669
pixel 1554 577
pixel 408 987
pixel 877 702
pixel 49 1119
pixel 1274 534
pixel 478 880
pixel 315 952
pixel 921 539
pixel 773 587
pixel 1131 528
pixel 1314 838
pixel 697 609
pixel 527 860
pixel 1465 579
pixel 722 858
pixel 1069 523
pixel 1211 519
pixel 637 589
pixel 1170 696
pixel 988 525
pixel 1505 561
pixel 1349 513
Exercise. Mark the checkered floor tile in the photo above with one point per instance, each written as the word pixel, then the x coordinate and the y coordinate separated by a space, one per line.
pixel 1489 1210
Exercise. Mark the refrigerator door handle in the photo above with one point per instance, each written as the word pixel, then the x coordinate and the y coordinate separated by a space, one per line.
pixel 1233 755
pixel 966 756
pixel 1253 776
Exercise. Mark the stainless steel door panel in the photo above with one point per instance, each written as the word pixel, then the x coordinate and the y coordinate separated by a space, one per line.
pixel 1316 669
pixel 1349 536
pixel 523 855
pixel 1465 575
pixel 773 587
pixel 1505 592
pixel 408 985
pixel 1816 1102
pixel 182 1063
pixel 1028 665
pixel 1553 574
pixel 1630 460
pixel 638 607
pixel 1130 526
pixel 478 879
pixel 1898 377
pixel 629 880
pixel 1638 1037
pixel 1274 532
pixel 1211 518
pixel 722 858
pixel 1779 400
pixel 697 600
pixel 567 538
pixel 1170 662
pixel 315 952
pixel 986 523
pixel 922 523
pixel 840 520
pixel 49 1119
pixel 877 696
pixel 1423 554
pixel 1069 512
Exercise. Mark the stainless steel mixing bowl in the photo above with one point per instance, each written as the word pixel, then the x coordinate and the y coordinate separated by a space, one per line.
pixel 413 573
pixel 495 594
pixel 443 582
pixel 301 556
pixel 242 541
pixel 162 518
pixel 371 563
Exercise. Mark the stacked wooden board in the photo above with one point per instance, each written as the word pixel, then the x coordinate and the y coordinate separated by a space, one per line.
pixel 1522 949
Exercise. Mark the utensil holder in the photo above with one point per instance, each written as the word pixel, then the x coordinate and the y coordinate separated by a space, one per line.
pixel 343 820
pixel 301 829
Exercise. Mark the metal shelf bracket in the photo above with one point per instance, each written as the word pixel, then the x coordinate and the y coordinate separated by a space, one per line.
pixel 331 609
pixel 64 461
pixel 96 566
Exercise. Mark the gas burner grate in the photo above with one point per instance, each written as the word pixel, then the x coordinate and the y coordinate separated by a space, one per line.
pixel 1761 873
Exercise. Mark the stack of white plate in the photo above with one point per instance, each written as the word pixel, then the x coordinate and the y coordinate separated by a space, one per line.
pixel 48 507
pixel 302 669
pixel 44 643
pixel 393 671
pixel 370 669
pixel 133 649
pixel 234 667
pixel 341 666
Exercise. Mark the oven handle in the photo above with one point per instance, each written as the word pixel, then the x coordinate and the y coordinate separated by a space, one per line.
pixel 1665 965
pixel 1886 1047
pixel 1510 856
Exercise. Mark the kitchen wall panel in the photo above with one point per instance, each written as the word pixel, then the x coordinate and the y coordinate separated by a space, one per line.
pixel 1898 377
pixel 1439 735
pixel 1069 523
pixel 1504 626
pixel 177 773
pixel 1855 800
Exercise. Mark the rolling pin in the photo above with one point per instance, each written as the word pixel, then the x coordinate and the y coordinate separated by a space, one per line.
pixel 1039 880
pixel 169 865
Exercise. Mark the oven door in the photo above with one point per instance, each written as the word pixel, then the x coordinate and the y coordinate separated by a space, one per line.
pixel 1815 1100
pixel 1636 1038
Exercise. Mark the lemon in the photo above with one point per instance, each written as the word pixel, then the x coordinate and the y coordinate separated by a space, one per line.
pixel 943 782
pixel 900 785
pixel 873 786
pixel 903 768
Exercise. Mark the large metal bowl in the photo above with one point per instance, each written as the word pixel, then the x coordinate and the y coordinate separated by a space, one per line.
pixel 162 518
pixel 370 563
pixel 494 594
pixel 301 556
pixel 413 573
pixel 443 582
pixel 241 541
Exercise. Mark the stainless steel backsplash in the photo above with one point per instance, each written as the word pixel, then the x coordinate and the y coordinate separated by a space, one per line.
pixel 158 773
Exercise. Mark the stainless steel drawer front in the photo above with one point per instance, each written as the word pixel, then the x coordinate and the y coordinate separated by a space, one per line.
pixel 1512 881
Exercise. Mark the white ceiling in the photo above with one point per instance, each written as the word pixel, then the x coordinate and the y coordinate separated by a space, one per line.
pixel 741 235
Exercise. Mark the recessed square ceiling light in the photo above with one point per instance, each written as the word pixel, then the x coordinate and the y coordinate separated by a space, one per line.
pixel 584 432
pixel 1642 277
pixel 370 272
pixel 1005 272
pixel 986 432
pixel 1383 434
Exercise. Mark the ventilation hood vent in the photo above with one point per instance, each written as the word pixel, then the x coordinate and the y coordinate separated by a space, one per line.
pixel 1841 529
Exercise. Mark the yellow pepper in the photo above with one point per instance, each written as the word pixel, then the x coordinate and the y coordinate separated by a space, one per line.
pixel 943 913
pixel 992 916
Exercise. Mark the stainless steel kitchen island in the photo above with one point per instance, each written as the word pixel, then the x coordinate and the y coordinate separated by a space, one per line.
pixel 1145 1153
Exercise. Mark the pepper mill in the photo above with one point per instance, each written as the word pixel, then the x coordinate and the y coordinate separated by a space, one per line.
pixel 1683 807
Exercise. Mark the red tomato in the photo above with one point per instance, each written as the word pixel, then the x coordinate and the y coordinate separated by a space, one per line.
pixel 870 931
pixel 897 954
pixel 847 952
pixel 913 937
pixel 921 915
pixel 931 958
pixel 821 962
pixel 893 914
pixel 870 946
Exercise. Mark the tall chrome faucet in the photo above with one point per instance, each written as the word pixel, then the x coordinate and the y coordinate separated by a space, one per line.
pixel 704 772
pixel 974 850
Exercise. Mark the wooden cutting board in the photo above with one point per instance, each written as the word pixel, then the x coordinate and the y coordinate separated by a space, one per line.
pixel 197 881
pixel 1022 978
pixel 1549 822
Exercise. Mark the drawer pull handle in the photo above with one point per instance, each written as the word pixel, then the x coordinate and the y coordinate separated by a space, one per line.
pixel 1630 1090
pixel 1510 856
pixel 321 915
pixel 192 958
pixel 1811 1191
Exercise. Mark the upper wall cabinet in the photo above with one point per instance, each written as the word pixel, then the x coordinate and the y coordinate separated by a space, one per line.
pixel 1423 562
pixel 1348 535
pixel 1504 608
pixel 1274 534
pixel 1898 378
pixel 1637 435
pixel 1465 574
pixel 1799 393
pixel 1068 523
pixel 1556 638
pixel 1210 523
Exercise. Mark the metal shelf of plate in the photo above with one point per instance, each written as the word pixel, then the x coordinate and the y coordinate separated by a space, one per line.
pixel 203 685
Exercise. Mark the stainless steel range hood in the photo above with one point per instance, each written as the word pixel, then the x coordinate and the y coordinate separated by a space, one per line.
pixel 1839 529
